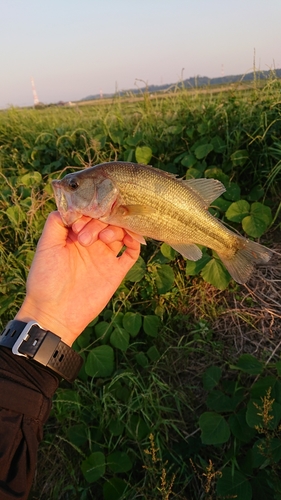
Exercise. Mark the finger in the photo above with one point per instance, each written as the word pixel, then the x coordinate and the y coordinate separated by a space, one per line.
pixel 115 247
pixel 131 254
pixel 78 225
pixel 111 234
pixel 90 232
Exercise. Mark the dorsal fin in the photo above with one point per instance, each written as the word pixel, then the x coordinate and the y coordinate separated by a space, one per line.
pixel 208 189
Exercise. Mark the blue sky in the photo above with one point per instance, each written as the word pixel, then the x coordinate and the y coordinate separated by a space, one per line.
pixel 75 48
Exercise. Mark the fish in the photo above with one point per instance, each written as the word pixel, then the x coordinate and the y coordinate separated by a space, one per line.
pixel 148 202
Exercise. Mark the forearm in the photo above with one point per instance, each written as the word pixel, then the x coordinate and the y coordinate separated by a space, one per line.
pixel 26 391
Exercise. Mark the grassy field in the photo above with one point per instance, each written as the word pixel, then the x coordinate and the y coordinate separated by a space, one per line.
pixel 180 393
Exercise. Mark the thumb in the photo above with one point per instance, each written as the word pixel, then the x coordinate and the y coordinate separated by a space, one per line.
pixel 54 232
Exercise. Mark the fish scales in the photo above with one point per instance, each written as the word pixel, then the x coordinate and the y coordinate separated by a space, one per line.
pixel 181 209
pixel 146 201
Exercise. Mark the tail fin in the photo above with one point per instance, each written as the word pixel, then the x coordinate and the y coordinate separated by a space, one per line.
pixel 241 265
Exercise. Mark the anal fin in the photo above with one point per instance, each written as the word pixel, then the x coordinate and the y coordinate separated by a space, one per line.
pixel 187 250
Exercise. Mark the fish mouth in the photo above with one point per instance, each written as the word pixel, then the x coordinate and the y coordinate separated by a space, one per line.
pixel 63 202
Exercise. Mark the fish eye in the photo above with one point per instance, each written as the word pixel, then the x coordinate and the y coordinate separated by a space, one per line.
pixel 73 184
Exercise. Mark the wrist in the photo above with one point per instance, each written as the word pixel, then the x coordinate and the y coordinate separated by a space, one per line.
pixel 31 312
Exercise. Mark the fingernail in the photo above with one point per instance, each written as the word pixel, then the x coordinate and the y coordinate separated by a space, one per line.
pixel 85 238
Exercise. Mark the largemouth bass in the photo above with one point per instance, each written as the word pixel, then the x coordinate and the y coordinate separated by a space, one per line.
pixel 146 201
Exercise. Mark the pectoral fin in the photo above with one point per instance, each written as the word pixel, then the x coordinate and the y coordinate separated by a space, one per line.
pixel 137 237
pixel 130 210
pixel 187 250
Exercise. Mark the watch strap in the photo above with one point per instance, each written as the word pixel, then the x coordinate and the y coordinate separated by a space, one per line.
pixel 33 342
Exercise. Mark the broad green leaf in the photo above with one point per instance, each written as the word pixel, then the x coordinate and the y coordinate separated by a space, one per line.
pixel 238 210
pixel 120 339
pixel 255 412
pixel 174 129
pixel 151 324
pixel 100 361
pixel 137 272
pixel 16 215
pixel 153 353
pixel 211 377
pixel 132 323
pixel 239 157
pixel 249 364
pixel 143 154
pixel 168 251
pixel 119 461
pixel 218 144
pixel 93 467
pixel 193 173
pixel 194 267
pixel 103 331
pixel 189 161
pixel 137 428
pixel 266 385
pixel 219 402
pixel 258 221
pixel 214 428
pixel 164 278
pixel 215 273
pixel 217 173
pixel 142 359
pixel 30 179
pixel 77 434
pixel 233 484
pixel 256 193
pixel 203 151
pixel 116 427
pixel 239 427
pixel 232 192
pixel 113 489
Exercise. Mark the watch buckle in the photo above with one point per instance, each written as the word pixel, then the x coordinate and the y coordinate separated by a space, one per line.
pixel 22 337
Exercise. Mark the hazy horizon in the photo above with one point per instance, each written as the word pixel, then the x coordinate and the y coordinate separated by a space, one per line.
pixel 73 50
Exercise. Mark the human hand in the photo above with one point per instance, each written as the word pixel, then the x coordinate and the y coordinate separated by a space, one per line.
pixel 74 274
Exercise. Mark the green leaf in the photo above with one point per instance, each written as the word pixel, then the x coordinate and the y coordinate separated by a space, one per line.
pixel 194 267
pixel 119 461
pixel 30 179
pixel 93 467
pixel 239 428
pixel 239 157
pixel 151 324
pixel 211 377
pixel 193 173
pixel 219 402
pixel 164 278
pixel 233 484
pixel 113 489
pixel 137 428
pixel 103 331
pixel 132 323
pixel 153 353
pixel 142 359
pixel 232 192
pixel 137 272
pixel 238 210
pixel 168 251
pixel 16 215
pixel 77 434
pixel 189 161
pixel 258 221
pixel 215 273
pixel 120 339
pixel 256 193
pixel 116 427
pixel 143 154
pixel 214 428
pixel 203 151
pixel 100 361
pixel 249 364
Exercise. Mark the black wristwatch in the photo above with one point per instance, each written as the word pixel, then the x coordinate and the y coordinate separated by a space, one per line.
pixel 34 343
